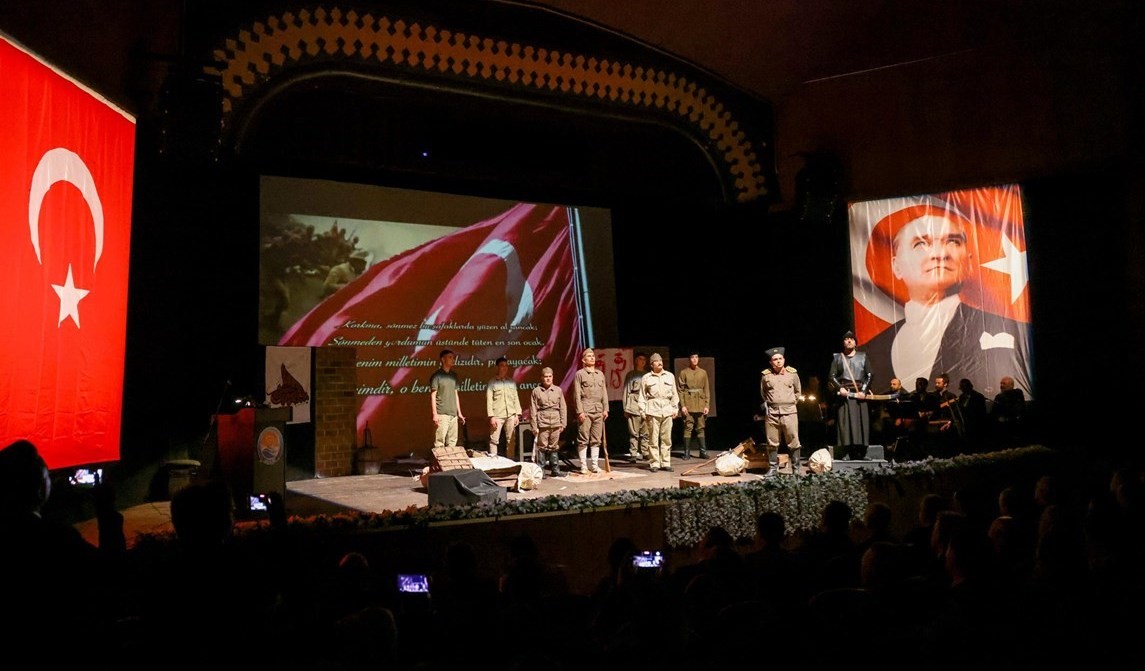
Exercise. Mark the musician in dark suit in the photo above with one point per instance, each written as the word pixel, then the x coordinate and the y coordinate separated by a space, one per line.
pixel 889 413
pixel 945 425
pixel 849 380
pixel 930 262
pixel 972 403
pixel 912 419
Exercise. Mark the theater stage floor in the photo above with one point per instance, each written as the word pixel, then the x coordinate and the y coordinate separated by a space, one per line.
pixel 377 493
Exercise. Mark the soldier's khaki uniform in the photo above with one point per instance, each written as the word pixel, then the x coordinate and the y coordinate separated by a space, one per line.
pixel 695 395
pixel 660 403
pixel 503 407
pixel 590 396
pixel 780 392
pixel 637 436
pixel 548 416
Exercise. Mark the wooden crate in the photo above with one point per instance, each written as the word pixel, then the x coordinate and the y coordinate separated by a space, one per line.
pixel 450 458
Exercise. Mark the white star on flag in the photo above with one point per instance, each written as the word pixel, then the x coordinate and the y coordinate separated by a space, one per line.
pixel 1013 263
pixel 70 298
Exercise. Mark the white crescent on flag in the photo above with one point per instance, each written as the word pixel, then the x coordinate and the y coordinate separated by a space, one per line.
pixel 62 165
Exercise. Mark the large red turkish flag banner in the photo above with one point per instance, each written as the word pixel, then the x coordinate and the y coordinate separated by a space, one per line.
pixel 66 162
pixel 503 286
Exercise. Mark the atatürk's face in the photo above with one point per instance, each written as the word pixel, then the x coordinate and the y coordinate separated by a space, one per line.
pixel 930 258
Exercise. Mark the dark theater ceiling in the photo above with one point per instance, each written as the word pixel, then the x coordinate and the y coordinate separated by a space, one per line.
pixel 860 79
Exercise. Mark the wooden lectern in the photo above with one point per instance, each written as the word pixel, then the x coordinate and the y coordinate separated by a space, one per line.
pixel 251 449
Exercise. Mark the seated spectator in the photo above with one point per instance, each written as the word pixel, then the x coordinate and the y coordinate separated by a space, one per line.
pixel 829 553
pixel 877 526
pixel 776 574
pixel 712 583
pixel 59 585
pixel 918 538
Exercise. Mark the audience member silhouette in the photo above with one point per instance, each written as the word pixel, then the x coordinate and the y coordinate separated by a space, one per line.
pixel 231 586
pixel 946 525
pixel 60 586
pixel 713 582
pixel 528 579
pixel 918 537
pixel 829 553
pixel 775 573
pixel 460 591
pixel 876 526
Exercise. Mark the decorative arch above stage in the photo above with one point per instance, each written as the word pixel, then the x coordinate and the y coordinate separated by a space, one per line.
pixel 505 53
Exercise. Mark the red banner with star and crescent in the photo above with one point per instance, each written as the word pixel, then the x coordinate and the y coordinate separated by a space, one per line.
pixel 66 163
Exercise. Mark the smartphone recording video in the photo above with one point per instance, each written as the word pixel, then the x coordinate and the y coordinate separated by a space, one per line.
pixel 413 583
pixel 650 559
pixel 86 477
pixel 259 503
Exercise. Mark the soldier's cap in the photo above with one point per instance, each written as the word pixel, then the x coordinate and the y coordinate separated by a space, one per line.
pixel 849 334
pixel 501 359
pixel 444 352
pixel 656 357
pixel 775 350
pixel 693 352
pixel 360 254
pixel 546 371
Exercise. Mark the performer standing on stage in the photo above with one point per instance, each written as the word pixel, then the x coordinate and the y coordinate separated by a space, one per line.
pixel 694 398
pixel 637 436
pixel 659 404
pixel 548 415
pixel 780 389
pixel 503 405
pixel 590 394
pixel 445 402
pixel 850 379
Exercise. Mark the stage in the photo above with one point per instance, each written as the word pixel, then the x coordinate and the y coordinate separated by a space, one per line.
pixel 393 491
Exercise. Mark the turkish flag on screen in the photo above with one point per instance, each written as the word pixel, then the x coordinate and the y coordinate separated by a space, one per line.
pixel 66 159
pixel 505 274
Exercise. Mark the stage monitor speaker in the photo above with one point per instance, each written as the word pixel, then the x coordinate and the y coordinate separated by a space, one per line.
pixel 462 486
pixel 869 453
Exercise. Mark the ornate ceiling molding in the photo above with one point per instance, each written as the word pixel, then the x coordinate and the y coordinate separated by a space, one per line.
pixel 423 53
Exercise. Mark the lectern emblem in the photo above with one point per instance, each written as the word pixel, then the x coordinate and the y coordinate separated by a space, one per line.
pixel 269 446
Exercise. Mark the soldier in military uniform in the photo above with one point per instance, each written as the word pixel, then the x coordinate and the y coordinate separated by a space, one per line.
pixel 503 405
pixel 548 416
pixel 780 389
pixel 590 394
pixel 637 436
pixel 659 404
pixel 694 398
